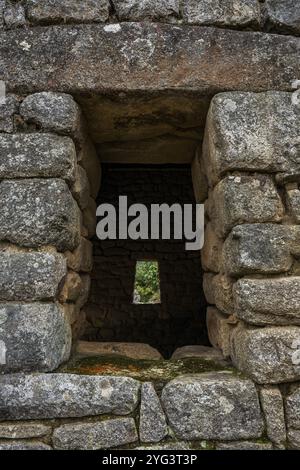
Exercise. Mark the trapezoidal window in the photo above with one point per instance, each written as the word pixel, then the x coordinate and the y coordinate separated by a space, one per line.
pixel 146 283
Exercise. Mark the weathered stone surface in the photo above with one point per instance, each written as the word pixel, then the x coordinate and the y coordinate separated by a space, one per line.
pixel 294 439
pixel 23 430
pixel 267 355
pixel 293 201
pixel 230 202
pixel 260 248
pixel 292 408
pixel 68 11
pixel 212 406
pixel 45 396
pixel 14 15
pixel 168 446
pixel 99 58
pixel 219 13
pixel 153 424
pixel 244 445
pixel 273 410
pixel 205 353
pixel 252 132
pixel 33 337
pixel 212 250
pixel 223 293
pixel 89 217
pixel 54 112
pixel 71 289
pixel 208 287
pixel 30 275
pixel 219 328
pixel 81 188
pixel 7 111
pixel 283 15
pixel 92 436
pixel 199 179
pixel 21 445
pixel 2 5
pixel 84 291
pixel 268 301
pixel 90 161
pixel 37 212
pixel 41 155
pixel 135 10
pixel 131 350
pixel 81 259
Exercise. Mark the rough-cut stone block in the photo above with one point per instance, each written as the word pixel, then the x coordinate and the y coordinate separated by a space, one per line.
pixel 208 287
pixel 292 408
pixel 84 291
pixel 267 355
pixel 2 5
pixel 180 55
pixel 211 251
pixel 89 217
pixel 81 259
pixel 219 13
pixel 7 111
pixel 244 199
pixel 153 424
pixel 97 435
pixel 219 330
pixel 283 15
pixel 36 212
pixel 68 11
pixel 138 351
pixel 44 396
pixel 14 15
pixel 223 293
pixel 30 275
pixel 273 410
pixel 90 161
pixel 294 439
pixel 23 445
pixel 260 248
pixel 199 179
pixel 54 112
pixel 293 201
pixel 252 132
pixel 33 337
pixel 244 445
pixel 71 289
pixel 212 406
pixel 37 155
pixel 268 301
pixel 81 188
pixel 136 10
pixel 23 430
pixel 205 353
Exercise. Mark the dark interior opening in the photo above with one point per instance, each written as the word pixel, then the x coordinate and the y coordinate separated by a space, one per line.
pixel 179 318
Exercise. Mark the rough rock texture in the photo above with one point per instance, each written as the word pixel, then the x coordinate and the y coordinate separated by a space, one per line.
pixel 294 439
pixel 244 445
pixel 217 12
pixel 232 411
pixel 153 424
pixel 14 15
pixel 230 202
pixel 293 201
pixel 7 111
pixel 219 330
pixel 37 212
pixel 252 132
pixel 71 289
pixel 81 188
pixel 267 355
pixel 272 406
pixel 33 337
pixel 135 10
pixel 37 155
pixel 205 353
pixel 199 179
pixel 23 430
pixel 169 446
pixel 130 350
pixel 283 15
pixel 45 396
pixel 222 286
pixel 212 250
pixel 260 248
pixel 81 259
pixel 21 445
pixel 90 161
pixel 268 301
pixel 182 56
pixel 97 435
pixel 68 11
pixel 30 275
pixel 292 408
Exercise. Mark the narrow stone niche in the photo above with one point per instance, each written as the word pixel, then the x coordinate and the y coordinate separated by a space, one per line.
pixel 178 319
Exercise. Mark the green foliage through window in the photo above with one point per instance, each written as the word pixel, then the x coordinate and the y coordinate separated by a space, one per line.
pixel 147 285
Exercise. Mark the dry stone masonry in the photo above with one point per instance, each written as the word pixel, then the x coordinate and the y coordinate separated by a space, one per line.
pixel 208 84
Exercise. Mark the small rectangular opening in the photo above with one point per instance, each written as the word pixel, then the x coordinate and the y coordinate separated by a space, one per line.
pixel 146 283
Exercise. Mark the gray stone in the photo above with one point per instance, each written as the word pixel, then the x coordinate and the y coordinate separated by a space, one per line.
pixel 260 248
pixel 205 353
pixel 33 337
pixel 294 439
pixel 283 15
pixel 35 212
pixel 240 135
pixel 44 396
pixel 2 5
pixel 81 188
pixel 273 301
pixel 272 406
pixel 68 11
pixel 219 13
pixel 208 287
pixel 212 406
pixel 37 155
pixel 168 446
pixel 23 430
pixel 85 290
pixel 293 201
pixel 96 435
pixel 267 355
pixel 14 15
pixel 199 179
pixel 21 445
pixel 71 289
pixel 30 275
pixel 7 111
pixel 137 351
pixel 219 328
pixel 230 202
pixel 136 10
pixel 244 445
pixel 54 112
pixel 89 219
pixel 153 424
pixel 90 161
pixel 292 408
pixel 223 293
pixel 81 259
pixel 211 253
